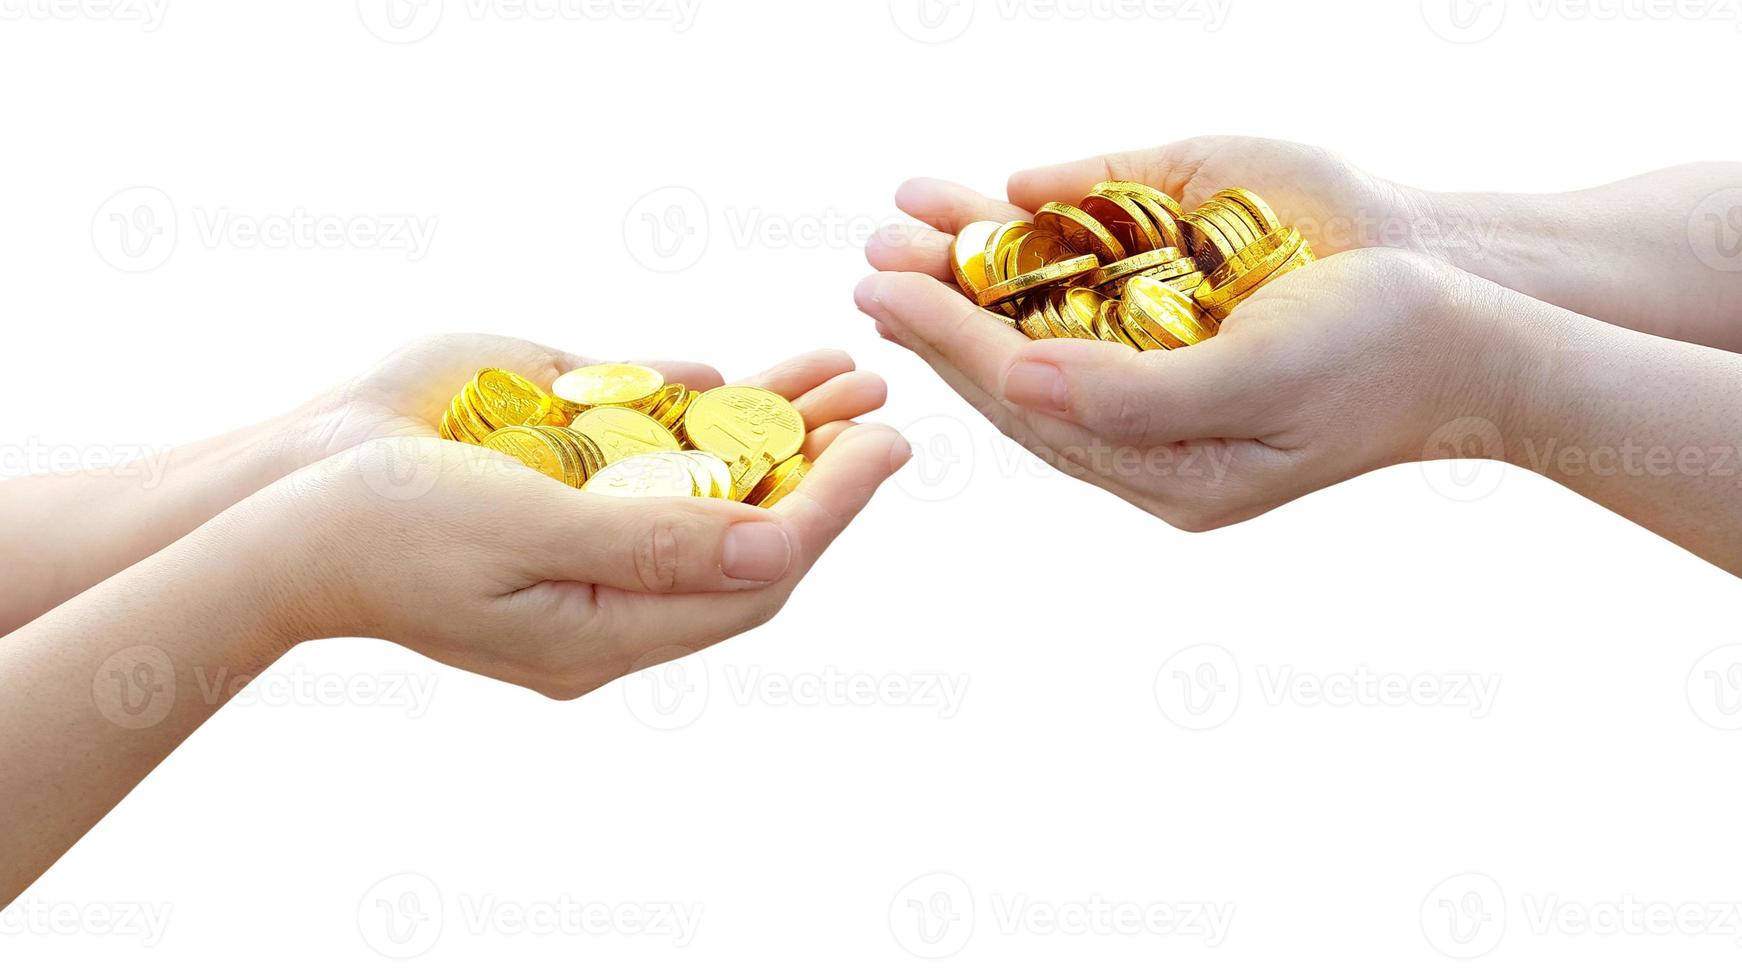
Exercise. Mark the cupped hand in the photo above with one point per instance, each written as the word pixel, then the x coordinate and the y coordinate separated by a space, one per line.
pixel 1344 366
pixel 476 561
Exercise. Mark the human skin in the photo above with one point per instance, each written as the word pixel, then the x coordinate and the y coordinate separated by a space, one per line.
pixel 1371 357
pixel 454 551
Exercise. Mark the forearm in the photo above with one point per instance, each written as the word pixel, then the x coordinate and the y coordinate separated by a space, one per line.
pixel 62 533
pixel 1659 253
pixel 1643 425
pixel 95 693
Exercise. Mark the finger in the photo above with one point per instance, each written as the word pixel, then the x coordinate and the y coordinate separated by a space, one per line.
pixel 845 396
pixel 1167 168
pixel 920 311
pixel 950 207
pixel 841 482
pixel 1140 398
pixel 659 546
pixel 818 440
pixel 911 248
pixel 791 378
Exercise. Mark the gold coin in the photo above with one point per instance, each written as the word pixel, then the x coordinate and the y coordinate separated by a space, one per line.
pixel 623 432
pixel 993 258
pixel 1035 250
pixel 1031 323
pixel 1250 266
pixel 466 418
pixel 1081 233
pixel 506 398
pixel 1107 324
pixel 1131 265
pixel 1126 219
pixel 713 476
pixel 1263 218
pixel 749 471
pixel 1049 315
pixel 1057 274
pixel 779 482
pixel 608 384
pixel 1235 223
pixel 738 421
pixel 528 446
pixel 1166 314
pixel 1077 309
pixel 651 475
pixel 1205 241
pixel 967 256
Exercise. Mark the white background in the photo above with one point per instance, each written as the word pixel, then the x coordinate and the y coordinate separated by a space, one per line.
pixel 825 831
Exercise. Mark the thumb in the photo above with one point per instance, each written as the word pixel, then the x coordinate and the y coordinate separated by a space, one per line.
pixel 660 545
pixel 1139 398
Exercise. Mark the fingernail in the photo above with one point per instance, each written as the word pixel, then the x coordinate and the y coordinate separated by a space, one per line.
pixel 1036 385
pixel 756 551
pixel 867 297
pixel 883 331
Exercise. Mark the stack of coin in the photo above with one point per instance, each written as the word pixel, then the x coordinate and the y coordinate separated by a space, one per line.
pixel 619 429
pixel 492 400
pixel 1127 265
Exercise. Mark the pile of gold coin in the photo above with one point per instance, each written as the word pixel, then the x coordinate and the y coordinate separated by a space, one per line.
pixel 1127 265
pixel 619 429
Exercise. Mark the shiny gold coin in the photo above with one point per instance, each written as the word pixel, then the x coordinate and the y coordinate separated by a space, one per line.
pixel 1239 227
pixel 739 422
pixel 1132 265
pixel 1165 314
pixel 1250 266
pixel 623 432
pixel 1049 315
pixel 1126 219
pixel 994 257
pixel 608 384
pixel 748 471
pixel 1077 309
pixel 1206 242
pixel 1263 218
pixel 1030 321
pixel 1081 233
pixel 1057 274
pixel 1107 324
pixel 466 420
pixel 713 476
pixel 505 398
pixel 650 475
pixel 967 253
pixel 1036 250
pixel 779 482
pixel 536 451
